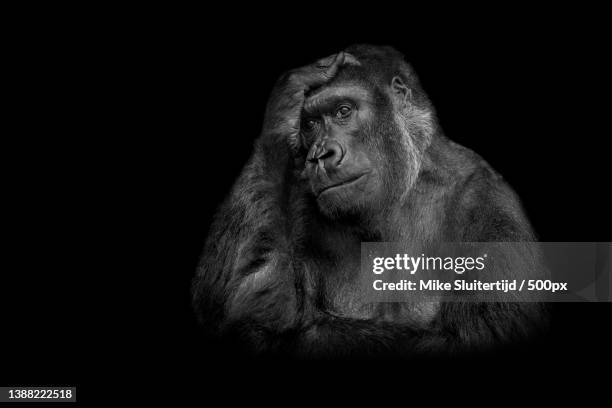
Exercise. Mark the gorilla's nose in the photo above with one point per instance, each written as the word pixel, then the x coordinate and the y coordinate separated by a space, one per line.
pixel 329 153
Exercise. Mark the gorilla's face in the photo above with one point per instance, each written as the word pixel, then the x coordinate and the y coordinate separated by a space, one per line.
pixel 342 165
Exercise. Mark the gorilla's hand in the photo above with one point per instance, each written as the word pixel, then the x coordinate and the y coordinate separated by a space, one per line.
pixel 284 108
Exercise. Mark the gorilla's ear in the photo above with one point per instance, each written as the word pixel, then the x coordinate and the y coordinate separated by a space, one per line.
pixel 400 90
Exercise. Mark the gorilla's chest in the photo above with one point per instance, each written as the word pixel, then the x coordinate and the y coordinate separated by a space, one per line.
pixel 342 292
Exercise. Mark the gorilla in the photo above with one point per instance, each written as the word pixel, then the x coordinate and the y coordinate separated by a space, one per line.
pixel 351 152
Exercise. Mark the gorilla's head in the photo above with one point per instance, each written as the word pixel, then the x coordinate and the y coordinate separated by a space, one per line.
pixel 363 133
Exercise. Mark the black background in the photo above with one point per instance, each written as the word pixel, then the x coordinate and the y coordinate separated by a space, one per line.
pixel 142 124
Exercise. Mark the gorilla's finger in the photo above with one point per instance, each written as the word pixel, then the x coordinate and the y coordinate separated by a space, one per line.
pixel 317 73
pixel 333 68
pixel 349 59
pixel 323 75
pixel 326 62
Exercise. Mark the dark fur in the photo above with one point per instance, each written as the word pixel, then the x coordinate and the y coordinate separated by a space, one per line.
pixel 274 271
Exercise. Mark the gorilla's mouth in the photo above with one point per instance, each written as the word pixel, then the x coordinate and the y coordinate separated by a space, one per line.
pixel 344 183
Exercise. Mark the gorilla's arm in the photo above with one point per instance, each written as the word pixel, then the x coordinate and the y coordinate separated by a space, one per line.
pixel 245 270
pixel 488 210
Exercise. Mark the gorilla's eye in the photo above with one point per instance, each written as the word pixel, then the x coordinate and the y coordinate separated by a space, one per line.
pixel 309 125
pixel 343 112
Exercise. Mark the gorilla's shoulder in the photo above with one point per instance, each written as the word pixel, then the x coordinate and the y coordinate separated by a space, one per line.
pixel 449 164
pixel 484 202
